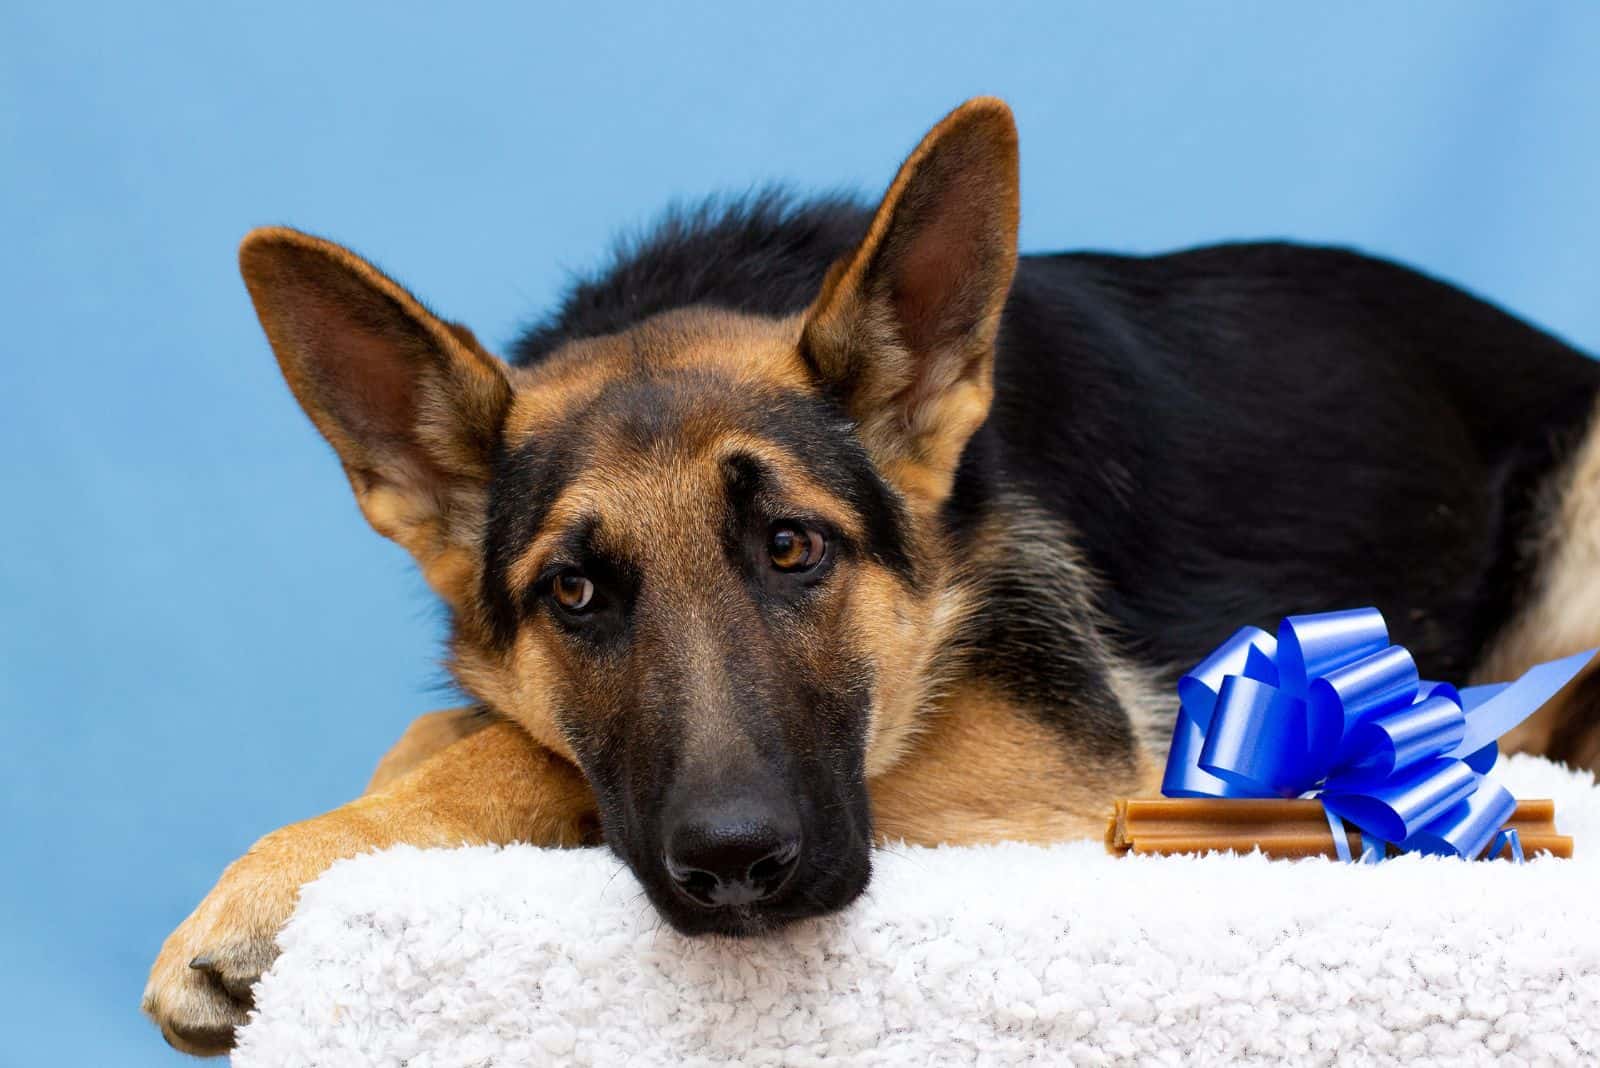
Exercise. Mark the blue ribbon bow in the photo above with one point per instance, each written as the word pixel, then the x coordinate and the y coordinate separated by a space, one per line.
pixel 1331 709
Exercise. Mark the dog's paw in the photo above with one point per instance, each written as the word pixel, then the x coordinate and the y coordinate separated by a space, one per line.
pixel 200 989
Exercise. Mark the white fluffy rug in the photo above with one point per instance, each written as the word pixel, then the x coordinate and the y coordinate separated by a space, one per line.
pixel 1002 955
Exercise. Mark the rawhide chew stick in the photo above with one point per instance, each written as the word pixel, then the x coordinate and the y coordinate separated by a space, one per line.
pixel 1282 830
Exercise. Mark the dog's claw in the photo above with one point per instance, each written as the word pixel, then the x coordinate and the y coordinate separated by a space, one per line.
pixel 201 988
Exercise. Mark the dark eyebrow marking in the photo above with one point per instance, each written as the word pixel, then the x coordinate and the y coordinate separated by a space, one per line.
pixel 755 488
pixel 817 433
pixel 576 543
pixel 576 547
pixel 746 480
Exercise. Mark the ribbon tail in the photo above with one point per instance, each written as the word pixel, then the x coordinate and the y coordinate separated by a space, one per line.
pixel 1507 838
pixel 1341 837
pixel 1510 706
pixel 1373 848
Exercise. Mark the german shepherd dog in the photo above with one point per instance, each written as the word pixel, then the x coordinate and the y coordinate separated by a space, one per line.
pixel 805 526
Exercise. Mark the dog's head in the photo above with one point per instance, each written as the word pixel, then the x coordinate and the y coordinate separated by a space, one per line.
pixel 699 558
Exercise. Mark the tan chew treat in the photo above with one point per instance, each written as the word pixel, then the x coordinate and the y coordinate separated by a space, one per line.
pixel 1282 830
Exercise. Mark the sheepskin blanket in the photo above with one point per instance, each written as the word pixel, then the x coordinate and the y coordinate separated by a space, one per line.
pixel 997 955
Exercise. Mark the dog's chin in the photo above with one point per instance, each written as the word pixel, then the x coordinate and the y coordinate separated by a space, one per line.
pixel 809 894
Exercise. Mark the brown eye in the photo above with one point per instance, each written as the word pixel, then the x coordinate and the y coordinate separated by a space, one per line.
pixel 794 548
pixel 572 591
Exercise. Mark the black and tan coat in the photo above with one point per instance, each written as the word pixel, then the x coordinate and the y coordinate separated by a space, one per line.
pixel 804 527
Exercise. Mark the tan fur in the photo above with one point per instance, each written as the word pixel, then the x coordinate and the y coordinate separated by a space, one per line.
pixel 1561 615
pixel 428 735
pixel 983 769
pixel 518 684
pixel 905 637
pixel 751 351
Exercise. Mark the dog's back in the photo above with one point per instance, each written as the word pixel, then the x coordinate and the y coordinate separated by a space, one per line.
pixel 1243 431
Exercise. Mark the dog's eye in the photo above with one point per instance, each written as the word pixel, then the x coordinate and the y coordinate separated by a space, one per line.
pixel 795 548
pixel 572 591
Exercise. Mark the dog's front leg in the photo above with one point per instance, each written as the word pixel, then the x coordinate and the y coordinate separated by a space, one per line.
pixel 495 786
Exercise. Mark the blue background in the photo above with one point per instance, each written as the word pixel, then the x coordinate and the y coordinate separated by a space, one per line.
pixel 201 640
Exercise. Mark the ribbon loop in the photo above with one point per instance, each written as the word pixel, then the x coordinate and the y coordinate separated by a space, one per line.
pixel 1248 653
pixel 1466 828
pixel 1330 708
pixel 1312 646
pixel 1407 736
pixel 1255 732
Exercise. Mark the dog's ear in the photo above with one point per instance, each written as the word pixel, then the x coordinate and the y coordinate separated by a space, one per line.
pixel 903 331
pixel 412 404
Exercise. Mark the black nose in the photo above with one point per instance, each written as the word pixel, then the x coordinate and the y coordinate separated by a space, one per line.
pixel 732 856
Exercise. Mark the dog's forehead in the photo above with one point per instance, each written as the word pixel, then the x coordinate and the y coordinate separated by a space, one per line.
pixel 711 355
pixel 664 449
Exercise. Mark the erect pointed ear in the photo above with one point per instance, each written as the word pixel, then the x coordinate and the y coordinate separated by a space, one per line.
pixel 412 404
pixel 904 329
